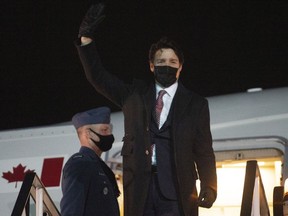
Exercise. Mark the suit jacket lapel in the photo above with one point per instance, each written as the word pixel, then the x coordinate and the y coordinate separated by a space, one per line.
pixel 149 102
pixel 180 102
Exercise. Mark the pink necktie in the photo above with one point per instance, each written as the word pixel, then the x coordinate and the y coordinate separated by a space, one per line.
pixel 158 109
pixel 159 105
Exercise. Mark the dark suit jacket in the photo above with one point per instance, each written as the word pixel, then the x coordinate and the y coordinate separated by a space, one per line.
pixel 89 186
pixel 191 136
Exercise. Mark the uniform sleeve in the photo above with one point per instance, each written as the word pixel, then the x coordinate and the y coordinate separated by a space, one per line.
pixel 75 186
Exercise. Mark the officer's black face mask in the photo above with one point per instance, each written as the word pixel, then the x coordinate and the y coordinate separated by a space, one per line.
pixel 165 75
pixel 105 143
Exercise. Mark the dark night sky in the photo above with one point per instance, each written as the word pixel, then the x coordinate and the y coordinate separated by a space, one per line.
pixel 229 46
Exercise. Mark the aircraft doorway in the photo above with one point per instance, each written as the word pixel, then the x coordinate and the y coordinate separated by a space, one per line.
pixel 231 168
pixel 231 183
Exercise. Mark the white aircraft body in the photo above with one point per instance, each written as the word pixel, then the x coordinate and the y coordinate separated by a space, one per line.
pixel 245 126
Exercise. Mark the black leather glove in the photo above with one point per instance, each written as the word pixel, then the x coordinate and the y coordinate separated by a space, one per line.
pixel 206 197
pixel 93 17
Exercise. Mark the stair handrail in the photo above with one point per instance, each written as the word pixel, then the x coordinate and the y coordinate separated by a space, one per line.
pixel 33 187
pixel 249 199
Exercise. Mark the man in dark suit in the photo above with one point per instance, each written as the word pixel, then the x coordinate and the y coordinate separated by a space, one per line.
pixel 88 184
pixel 167 143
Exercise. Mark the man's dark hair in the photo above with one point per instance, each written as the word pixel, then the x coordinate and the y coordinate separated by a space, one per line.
pixel 165 42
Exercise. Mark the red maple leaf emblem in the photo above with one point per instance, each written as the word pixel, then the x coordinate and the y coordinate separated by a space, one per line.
pixel 18 174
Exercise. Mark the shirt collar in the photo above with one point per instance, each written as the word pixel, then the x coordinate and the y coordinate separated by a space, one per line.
pixel 171 90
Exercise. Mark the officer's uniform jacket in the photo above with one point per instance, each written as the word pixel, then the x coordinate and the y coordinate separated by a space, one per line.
pixel 89 186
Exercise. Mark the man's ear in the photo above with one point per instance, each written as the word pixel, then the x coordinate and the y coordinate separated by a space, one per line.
pixel 151 67
pixel 179 71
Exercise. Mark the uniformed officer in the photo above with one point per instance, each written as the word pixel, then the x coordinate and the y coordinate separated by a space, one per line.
pixel 89 186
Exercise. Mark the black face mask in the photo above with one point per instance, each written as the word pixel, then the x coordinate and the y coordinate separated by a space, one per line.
pixel 105 143
pixel 165 75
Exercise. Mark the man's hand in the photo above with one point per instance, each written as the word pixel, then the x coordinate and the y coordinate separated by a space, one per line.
pixel 93 17
pixel 206 197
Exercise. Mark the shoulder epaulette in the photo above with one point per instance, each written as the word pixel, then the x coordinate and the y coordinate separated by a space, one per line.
pixel 76 156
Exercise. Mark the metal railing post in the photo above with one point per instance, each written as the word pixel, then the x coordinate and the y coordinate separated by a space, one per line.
pixel 39 201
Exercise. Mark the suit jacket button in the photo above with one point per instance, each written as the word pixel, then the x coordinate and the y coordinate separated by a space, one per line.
pixel 147 152
pixel 105 190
